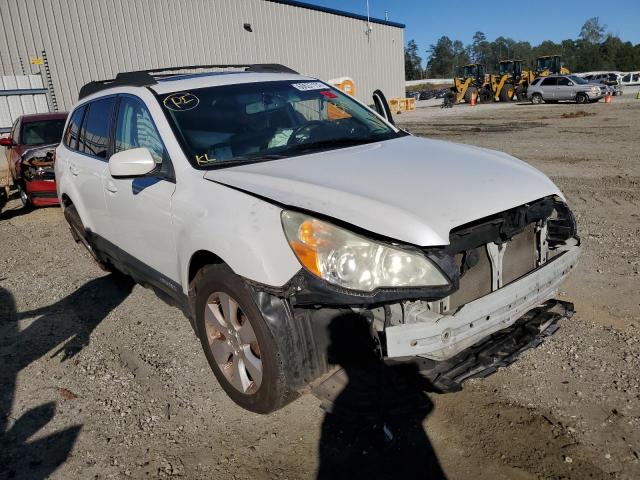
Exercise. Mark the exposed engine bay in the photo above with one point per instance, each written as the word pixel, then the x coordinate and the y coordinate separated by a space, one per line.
pixel 37 164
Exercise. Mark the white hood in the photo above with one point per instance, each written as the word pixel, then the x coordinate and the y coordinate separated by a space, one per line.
pixel 410 189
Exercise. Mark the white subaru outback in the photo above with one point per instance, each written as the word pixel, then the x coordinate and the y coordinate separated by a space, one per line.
pixel 267 206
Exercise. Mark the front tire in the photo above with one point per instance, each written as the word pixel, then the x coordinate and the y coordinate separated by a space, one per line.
pixel 471 91
pixel 582 98
pixel 24 196
pixel 238 344
pixel 506 94
pixel 536 99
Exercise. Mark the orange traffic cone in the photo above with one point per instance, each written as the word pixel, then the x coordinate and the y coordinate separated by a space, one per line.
pixel 473 100
pixel 607 98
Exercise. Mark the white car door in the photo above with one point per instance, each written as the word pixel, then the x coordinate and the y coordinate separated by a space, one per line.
pixel 140 208
pixel 87 162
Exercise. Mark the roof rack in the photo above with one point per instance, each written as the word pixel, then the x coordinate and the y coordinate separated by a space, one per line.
pixel 146 78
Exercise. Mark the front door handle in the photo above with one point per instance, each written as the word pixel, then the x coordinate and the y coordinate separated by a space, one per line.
pixel 111 187
pixel 74 171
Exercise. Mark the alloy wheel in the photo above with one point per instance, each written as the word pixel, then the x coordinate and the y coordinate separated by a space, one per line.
pixel 233 342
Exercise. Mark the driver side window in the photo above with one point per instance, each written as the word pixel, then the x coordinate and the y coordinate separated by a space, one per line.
pixel 135 129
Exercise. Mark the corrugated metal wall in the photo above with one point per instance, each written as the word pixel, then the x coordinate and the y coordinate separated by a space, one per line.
pixel 94 39
pixel 33 100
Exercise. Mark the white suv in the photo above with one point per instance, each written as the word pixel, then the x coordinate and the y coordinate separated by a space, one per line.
pixel 274 209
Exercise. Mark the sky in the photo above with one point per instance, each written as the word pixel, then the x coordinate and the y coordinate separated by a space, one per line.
pixel 428 20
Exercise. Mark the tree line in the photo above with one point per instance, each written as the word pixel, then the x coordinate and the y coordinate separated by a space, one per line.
pixel 594 49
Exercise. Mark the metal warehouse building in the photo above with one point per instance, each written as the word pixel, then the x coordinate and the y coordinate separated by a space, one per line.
pixel 70 42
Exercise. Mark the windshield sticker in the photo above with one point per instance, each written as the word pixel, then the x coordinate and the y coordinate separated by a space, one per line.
pixel 309 86
pixel 181 102
pixel 328 94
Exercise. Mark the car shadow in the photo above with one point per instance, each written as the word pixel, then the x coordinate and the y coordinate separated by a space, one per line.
pixel 373 427
pixel 69 322
pixel 9 213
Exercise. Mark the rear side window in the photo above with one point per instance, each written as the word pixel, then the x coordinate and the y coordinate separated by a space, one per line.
pixel 94 139
pixel 72 132
pixel 536 81
pixel 548 82
pixel 135 129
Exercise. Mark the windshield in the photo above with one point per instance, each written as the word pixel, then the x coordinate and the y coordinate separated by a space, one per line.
pixel 506 67
pixel 42 132
pixel 227 125
pixel 578 80
pixel 469 71
pixel 545 64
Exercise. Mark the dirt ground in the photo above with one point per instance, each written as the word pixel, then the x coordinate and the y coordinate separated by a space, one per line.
pixel 100 379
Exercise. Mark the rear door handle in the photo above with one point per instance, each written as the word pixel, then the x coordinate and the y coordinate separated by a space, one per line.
pixel 74 171
pixel 111 187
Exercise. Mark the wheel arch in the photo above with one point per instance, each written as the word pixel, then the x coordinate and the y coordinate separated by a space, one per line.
pixel 200 259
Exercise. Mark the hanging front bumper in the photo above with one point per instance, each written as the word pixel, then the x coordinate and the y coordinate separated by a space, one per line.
pixel 443 336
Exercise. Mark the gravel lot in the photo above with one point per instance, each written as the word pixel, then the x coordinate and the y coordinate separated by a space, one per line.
pixel 101 379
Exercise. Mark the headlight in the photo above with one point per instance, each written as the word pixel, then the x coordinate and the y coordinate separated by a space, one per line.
pixel 354 262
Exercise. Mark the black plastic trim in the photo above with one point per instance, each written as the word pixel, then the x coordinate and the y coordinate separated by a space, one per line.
pixel 498 350
pixel 167 289
pixel 146 78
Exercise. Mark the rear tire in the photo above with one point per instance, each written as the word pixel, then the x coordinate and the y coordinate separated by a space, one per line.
pixel 536 99
pixel 582 98
pixel 78 233
pixel 238 344
pixel 521 93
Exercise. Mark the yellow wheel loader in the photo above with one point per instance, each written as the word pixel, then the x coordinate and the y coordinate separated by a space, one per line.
pixel 471 82
pixel 550 65
pixel 510 82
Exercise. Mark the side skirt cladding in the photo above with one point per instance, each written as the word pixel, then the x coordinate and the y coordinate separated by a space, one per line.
pixel 165 288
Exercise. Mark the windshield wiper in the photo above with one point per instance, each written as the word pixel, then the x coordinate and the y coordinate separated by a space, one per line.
pixel 245 160
pixel 333 143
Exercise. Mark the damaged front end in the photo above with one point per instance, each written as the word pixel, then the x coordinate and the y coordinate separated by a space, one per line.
pixel 38 176
pixel 501 275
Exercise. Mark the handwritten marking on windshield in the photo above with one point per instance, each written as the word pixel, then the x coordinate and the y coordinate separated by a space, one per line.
pixel 181 102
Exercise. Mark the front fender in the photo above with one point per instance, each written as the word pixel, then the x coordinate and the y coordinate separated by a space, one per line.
pixel 244 231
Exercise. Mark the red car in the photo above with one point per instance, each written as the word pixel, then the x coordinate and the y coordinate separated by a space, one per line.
pixel 31 154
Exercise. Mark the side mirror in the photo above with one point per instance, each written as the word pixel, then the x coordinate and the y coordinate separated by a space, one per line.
pixel 136 162
pixel 7 142
pixel 570 84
